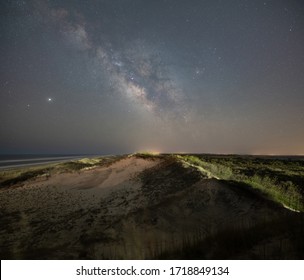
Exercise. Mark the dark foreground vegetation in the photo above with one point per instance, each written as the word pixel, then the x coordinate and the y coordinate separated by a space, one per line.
pixel 274 239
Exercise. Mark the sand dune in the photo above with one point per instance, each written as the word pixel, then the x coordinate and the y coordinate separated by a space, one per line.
pixel 133 208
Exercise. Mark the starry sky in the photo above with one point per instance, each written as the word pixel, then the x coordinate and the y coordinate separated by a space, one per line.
pixel 120 76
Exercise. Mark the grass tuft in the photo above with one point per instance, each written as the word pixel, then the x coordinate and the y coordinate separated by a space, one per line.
pixel 281 180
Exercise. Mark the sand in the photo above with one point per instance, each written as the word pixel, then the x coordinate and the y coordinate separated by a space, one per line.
pixel 134 208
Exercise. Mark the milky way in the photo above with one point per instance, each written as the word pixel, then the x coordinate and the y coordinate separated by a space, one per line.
pixel 173 76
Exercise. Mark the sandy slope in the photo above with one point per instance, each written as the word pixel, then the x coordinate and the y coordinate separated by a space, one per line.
pixel 133 208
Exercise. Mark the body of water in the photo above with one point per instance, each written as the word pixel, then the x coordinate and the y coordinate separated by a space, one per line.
pixel 12 161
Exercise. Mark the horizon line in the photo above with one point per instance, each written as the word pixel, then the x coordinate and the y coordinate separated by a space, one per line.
pixel 151 152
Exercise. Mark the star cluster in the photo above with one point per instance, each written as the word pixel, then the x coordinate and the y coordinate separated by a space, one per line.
pixel 122 76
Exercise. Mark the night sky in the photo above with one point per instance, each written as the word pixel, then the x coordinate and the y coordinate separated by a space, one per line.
pixel 120 76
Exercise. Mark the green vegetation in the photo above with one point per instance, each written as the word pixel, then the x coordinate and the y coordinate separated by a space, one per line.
pixel 147 155
pixel 282 180
pixel 76 165
pixel 19 175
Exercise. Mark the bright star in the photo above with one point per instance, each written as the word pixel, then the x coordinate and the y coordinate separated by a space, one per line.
pixel 49 99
